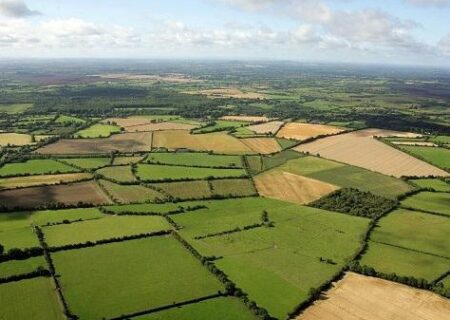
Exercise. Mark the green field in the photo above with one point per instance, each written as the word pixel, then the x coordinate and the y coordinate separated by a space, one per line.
pixel 18 267
pixel 150 172
pixel 275 266
pixel 15 107
pixel 88 163
pixel 18 238
pixel 30 299
pixel 126 160
pixel 286 143
pixel 63 119
pixel 260 163
pixel 41 218
pixel 98 130
pixel 195 159
pixel 435 184
pixel 99 285
pixel 221 125
pixel 429 201
pixel 31 167
pixel 185 189
pixel 130 193
pixel 118 173
pixel 224 308
pixel 438 156
pixel 233 187
pixel 105 228
pixel 404 262
pixel 160 208
pixel 347 176
pixel 440 139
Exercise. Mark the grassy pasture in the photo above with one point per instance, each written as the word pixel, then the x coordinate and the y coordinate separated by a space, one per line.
pixel 38 166
pixel 159 267
pixel 429 201
pixel 64 119
pixel 285 143
pixel 233 187
pixel 436 184
pixel 13 108
pixel 438 156
pixel 19 238
pixel 30 181
pixel 220 125
pixel 17 267
pixel 118 173
pixel 278 266
pixel 44 217
pixel 195 159
pixel 125 160
pixel 88 163
pixel 186 189
pixel 346 176
pixel 160 208
pixel 223 308
pixel 404 262
pixel 130 193
pixel 441 139
pixel 98 130
pixel 150 172
pixel 30 299
pixel 105 228
pixel 260 163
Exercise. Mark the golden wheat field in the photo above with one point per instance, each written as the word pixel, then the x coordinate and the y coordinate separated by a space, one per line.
pixel 262 145
pixel 302 131
pixel 266 128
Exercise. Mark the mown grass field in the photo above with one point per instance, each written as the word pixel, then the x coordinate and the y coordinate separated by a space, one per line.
pixel 276 266
pixel 118 173
pixel 195 159
pixel 37 180
pixel 20 238
pixel 130 193
pixel 18 267
pixel 64 119
pixel 438 156
pixel 346 176
pixel 233 187
pixel 258 163
pixel 98 130
pixel 88 163
pixel 435 184
pixel 429 201
pixel 13 108
pixel 185 189
pixel 159 208
pixel 223 308
pixel 41 218
pixel 158 267
pixel 38 166
pixel 104 228
pixel 30 299
pixel 150 172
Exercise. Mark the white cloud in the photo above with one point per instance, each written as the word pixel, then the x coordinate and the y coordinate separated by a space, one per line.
pixel 16 9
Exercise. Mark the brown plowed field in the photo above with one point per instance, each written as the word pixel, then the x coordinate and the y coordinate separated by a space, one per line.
pixel 217 142
pixel 360 149
pixel 262 145
pixel 358 297
pixel 245 118
pixel 266 128
pixel 20 182
pixel 126 142
pixel 290 187
pixel 71 194
pixel 302 131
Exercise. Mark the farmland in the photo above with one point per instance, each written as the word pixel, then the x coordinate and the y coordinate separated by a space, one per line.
pixel 266 128
pixel 429 201
pixel 262 145
pixel 30 181
pixel 195 159
pixel 87 163
pixel 435 184
pixel 303 131
pixel 31 167
pixel 357 297
pixel 15 139
pixel 118 173
pixel 98 131
pixel 438 156
pixel 129 193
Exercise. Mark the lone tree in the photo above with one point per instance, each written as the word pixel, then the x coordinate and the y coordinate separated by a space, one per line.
pixel 2 249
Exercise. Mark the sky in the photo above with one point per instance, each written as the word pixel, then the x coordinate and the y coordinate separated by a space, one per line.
pixel 410 32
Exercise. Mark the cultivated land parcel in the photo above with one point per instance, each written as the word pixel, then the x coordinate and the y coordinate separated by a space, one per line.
pixel 249 196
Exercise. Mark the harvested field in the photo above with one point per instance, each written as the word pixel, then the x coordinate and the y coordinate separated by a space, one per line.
pixel 20 182
pixel 357 297
pixel 130 193
pixel 266 128
pixel 228 93
pixel 216 142
pixel 71 194
pixel 186 189
pixel 281 185
pixel 302 131
pixel 126 142
pixel 262 145
pixel 245 118
pixel 414 143
pixel 14 139
pixel 383 133
pixel 87 163
pixel 361 149
pixel 159 126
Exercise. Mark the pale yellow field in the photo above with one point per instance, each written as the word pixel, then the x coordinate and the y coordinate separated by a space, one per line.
pixel 281 185
pixel 360 149
pixel 262 145
pixel 266 128
pixel 245 118
pixel 14 139
pixel 413 143
pixel 159 126
pixel 302 131
pixel 20 182
pixel 357 297
pixel 373 132
pixel 216 142
pixel 228 93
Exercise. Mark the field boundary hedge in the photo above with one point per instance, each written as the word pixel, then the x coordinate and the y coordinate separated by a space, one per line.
pixel 38 272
